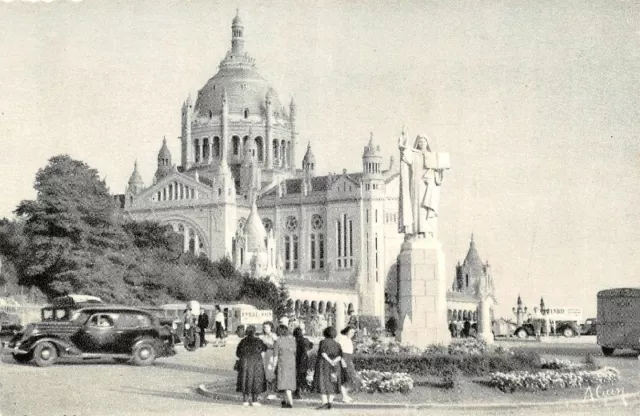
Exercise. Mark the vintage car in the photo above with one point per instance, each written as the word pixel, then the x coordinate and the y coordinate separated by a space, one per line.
pixel 118 332
pixel 567 329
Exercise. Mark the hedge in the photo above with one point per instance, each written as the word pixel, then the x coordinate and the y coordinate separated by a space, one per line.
pixel 439 364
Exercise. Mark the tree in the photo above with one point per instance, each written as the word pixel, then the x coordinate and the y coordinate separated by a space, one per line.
pixel 284 305
pixel 70 223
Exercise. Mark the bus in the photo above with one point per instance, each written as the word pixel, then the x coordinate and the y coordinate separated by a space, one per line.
pixel 618 320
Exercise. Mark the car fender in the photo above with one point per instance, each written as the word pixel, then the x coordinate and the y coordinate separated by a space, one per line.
pixel 63 346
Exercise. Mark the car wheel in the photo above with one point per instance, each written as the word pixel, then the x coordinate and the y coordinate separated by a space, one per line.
pixel 144 353
pixel 568 332
pixel 23 358
pixel 45 354
pixel 522 333
pixel 607 352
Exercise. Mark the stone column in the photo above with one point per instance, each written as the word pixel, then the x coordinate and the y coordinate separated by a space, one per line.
pixel 196 243
pixel 422 293
pixel 340 316
pixel 484 320
pixel 185 238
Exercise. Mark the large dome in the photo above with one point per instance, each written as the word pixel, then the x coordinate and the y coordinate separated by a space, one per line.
pixel 246 89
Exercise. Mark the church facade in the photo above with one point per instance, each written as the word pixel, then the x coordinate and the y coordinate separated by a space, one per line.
pixel 240 192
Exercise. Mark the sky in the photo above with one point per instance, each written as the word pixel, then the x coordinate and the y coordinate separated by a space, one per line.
pixel 537 102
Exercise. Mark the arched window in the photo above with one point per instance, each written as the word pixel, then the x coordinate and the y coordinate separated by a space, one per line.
pixel 246 113
pixel 216 146
pixel 260 148
pixel 196 145
pixel 283 146
pixel 205 149
pixel 236 145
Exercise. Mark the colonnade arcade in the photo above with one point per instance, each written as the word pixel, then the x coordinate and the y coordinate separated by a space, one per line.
pixel 308 308
pixel 462 315
pixel 206 150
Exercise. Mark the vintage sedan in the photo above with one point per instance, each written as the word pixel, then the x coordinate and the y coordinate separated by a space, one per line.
pixel 118 332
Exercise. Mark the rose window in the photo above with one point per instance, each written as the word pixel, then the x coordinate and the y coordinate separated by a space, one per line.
pixel 292 224
pixel 317 222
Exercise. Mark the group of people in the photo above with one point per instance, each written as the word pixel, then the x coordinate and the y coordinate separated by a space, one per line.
pixel 278 363
pixel 460 329
pixel 202 322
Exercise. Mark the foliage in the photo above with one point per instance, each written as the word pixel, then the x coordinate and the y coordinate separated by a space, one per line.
pixel 439 364
pixel 553 379
pixel 385 382
pixel 70 240
pixel 451 377
pixel 369 322
pixel 283 306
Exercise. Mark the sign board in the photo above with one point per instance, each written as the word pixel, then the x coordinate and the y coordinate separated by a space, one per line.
pixel 565 314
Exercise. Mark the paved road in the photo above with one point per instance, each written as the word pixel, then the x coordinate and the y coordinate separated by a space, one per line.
pixel 169 388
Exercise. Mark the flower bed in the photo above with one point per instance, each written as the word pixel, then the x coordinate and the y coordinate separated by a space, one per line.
pixel 378 381
pixel 385 382
pixel 553 379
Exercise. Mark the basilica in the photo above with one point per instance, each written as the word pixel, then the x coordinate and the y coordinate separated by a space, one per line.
pixel 240 192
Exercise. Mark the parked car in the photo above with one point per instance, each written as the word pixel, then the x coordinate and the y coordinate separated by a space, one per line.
pixel 118 332
pixel 568 329
pixel 589 327
pixel 9 326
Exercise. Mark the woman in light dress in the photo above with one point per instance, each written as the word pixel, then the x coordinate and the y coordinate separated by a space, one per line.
pixel 350 378
pixel 269 360
pixel 285 358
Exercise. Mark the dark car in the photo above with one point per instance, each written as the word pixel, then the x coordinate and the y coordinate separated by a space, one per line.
pixel 568 329
pixel 118 332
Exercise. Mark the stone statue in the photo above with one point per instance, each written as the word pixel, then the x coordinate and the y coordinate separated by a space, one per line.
pixel 421 175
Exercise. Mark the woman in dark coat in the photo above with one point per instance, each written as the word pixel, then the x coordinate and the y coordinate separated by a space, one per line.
pixel 327 375
pixel 251 380
pixel 303 346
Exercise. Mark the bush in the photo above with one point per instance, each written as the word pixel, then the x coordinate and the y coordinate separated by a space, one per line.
pixel 451 378
pixel 440 364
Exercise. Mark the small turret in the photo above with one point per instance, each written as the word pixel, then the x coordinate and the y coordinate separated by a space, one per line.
pixel 237 33
pixel 309 162
pixel 164 161
pixel 371 158
pixel 135 181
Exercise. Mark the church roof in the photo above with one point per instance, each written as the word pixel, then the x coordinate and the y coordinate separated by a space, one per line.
pixel 473 258
pixel 164 152
pixel 255 231
pixel 309 156
pixel 135 178
pixel 245 87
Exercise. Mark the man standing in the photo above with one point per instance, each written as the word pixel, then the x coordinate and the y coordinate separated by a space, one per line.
pixel 203 324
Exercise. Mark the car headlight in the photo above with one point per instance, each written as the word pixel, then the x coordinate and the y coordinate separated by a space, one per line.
pixel 187 326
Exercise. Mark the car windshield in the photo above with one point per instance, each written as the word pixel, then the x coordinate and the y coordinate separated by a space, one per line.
pixel 80 317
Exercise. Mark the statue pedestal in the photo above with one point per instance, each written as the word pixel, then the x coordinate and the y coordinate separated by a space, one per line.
pixel 422 294
pixel 484 321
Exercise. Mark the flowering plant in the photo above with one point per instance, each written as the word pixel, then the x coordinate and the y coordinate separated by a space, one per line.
pixel 552 379
pixel 557 364
pixel 385 382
